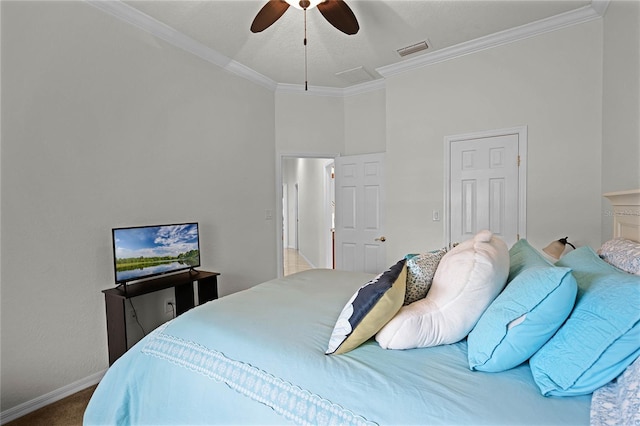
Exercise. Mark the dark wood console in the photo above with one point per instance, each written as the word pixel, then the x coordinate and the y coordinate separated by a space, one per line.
pixel 182 283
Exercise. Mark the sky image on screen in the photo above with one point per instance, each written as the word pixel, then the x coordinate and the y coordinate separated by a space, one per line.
pixel 141 252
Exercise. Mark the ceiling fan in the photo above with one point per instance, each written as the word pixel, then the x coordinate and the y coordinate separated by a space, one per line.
pixel 335 11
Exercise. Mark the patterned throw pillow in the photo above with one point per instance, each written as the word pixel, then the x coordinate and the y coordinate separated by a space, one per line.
pixel 420 271
pixel 618 402
pixel 622 253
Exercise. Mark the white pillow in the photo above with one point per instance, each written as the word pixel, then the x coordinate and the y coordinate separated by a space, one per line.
pixel 467 280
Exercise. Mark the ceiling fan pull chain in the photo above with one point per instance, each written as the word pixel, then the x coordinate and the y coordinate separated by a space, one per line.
pixel 306 86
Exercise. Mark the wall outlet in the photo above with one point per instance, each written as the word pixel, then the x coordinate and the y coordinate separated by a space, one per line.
pixel 131 314
pixel 169 305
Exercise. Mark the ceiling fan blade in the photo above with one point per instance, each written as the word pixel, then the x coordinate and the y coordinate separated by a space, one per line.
pixel 339 15
pixel 269 14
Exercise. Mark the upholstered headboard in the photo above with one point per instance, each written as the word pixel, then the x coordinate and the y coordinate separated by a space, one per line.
pixel 626 213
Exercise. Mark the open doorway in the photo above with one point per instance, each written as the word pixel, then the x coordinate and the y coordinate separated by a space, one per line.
pixel 308 208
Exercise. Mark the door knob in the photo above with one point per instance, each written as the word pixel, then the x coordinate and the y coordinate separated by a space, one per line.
pixel 381 239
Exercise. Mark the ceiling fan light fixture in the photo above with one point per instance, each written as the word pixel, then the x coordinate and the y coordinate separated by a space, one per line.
pixel 296 3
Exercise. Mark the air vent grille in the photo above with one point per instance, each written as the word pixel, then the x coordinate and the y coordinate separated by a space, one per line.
pixel 414 48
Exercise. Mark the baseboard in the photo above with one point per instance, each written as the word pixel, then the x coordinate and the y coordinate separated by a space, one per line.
pixel 49 398
pixel 306 260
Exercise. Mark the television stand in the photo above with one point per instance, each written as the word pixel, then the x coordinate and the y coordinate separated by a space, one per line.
pixel 182 283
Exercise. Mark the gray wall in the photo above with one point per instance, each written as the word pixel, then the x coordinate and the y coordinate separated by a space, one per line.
pixel 105 126
pixel 551 83
pixel 621 103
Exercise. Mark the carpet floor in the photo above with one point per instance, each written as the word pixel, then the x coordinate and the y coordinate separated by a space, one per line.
pixel 66 412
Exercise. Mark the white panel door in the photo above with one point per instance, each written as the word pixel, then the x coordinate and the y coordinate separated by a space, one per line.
pixel 359 238
pixel 484 187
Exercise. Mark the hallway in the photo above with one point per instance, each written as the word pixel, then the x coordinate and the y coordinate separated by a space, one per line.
pixel 294 262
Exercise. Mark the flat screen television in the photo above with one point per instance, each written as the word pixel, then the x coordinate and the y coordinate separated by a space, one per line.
pixel 145 251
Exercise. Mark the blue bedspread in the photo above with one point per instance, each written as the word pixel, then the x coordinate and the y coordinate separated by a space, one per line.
pixel 257 357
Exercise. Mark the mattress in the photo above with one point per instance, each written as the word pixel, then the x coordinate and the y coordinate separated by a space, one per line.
pixel 258 357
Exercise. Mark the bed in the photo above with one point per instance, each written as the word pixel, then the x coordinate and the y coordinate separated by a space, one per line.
pixel 265 356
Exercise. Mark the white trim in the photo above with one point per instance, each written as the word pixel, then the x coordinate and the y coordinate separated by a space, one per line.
pixel 329 189
pixel 311 265
pixel 49 398
pixel 625 213
pixel 313 90
pixel 629 197
pixel 563 20
pixel 134 17
pixel 357 89
pixel 361 88
pixel 522 132
pixel 600 6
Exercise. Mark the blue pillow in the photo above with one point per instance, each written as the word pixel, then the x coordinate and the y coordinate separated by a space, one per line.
pixel 522 318
pixel 535 303
pixel 369 309
pixel 601 336
pixel 523 256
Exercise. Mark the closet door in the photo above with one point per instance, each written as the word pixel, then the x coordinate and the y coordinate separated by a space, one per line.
pixel 484 186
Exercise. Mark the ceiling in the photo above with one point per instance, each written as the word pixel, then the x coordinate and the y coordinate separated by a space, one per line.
pixel 337 60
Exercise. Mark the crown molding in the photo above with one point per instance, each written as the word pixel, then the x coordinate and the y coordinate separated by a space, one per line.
pixel 134 17
pixel 313 90
pixel 369 86
pixel 600 6
pixel 553 23
pixel 128 14
pixel 357 89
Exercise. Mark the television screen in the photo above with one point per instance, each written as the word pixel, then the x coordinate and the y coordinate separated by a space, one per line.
pixel 145 251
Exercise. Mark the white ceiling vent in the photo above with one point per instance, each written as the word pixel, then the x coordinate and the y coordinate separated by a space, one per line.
pixel 414 48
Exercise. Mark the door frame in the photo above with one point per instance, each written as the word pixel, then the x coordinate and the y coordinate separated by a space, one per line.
pixel 285 214
pixel 329 194
pixel 521 131
pixel 280 156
